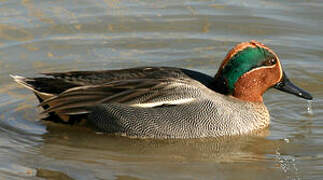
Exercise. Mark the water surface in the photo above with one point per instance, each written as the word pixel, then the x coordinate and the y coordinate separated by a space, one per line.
pixel 43 36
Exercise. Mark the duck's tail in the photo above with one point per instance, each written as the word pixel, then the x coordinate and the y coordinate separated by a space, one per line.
pixel 30 83
pixel 45 88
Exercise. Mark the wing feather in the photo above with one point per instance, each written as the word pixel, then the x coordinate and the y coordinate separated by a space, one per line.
pixel 147 87
pixel 140 93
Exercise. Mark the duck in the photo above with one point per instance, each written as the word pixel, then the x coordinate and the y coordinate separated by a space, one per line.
pixel 168 102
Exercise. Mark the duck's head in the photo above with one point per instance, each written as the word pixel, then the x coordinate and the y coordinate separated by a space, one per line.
pixel 249 69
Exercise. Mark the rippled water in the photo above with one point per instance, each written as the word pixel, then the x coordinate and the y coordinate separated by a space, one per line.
pixel 43 36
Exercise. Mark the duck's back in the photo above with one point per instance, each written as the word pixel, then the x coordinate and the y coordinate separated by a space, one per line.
pixel 79 78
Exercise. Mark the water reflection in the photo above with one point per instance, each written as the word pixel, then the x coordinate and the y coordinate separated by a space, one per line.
pixel 220 149
pixel 143 155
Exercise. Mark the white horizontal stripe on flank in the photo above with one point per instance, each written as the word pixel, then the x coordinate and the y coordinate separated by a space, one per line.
pixel 154 104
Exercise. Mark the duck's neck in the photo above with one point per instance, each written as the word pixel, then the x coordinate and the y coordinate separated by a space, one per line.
pixel 250 95
pixel 220 85
pixel 245 89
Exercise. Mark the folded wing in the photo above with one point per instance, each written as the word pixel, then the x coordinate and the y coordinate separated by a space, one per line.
pixel 74 93
pixel 145 93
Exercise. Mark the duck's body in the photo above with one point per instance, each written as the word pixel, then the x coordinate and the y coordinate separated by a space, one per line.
pixel 166 102
pixel 219 116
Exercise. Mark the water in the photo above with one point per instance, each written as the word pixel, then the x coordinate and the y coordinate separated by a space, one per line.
pixel 43 36
pixel 309 107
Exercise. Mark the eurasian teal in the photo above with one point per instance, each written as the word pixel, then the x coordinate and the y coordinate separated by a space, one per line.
pixel 168 102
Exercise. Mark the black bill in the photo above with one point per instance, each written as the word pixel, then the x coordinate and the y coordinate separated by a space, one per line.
pixel 287 86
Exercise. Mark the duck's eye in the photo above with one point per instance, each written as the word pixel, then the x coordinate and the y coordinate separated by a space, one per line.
pixel 270 62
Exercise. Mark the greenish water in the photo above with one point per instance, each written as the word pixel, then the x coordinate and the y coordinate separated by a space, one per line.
pixel 43 36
